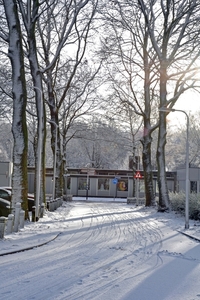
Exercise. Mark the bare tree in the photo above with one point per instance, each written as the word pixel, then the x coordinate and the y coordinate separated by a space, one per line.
pixel 99 143
pixel 64 39
pixel 5 88
pixel 132 71
pixel 46 27
pixel 130 126
pixel 29 16
pixel 158 48
pixel 173 28
pixel 19 127
pixel 176 141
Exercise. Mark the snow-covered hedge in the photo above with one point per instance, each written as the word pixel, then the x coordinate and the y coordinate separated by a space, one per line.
pixel 178 204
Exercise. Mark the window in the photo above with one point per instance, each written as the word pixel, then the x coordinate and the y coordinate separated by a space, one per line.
pixel 193 186
pixel 82 183
pixel 68 183
pixel 103 184
pixel 122 185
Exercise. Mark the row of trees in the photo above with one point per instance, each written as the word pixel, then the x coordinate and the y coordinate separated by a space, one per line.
pixel 47 45
pixel 143 53
pixel 108 147
pixel 152 50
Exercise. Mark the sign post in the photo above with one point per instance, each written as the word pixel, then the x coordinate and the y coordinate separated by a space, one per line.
pixel 137 176
pixel 115 181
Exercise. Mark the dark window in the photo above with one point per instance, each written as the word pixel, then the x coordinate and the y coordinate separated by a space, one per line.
pixel 193 186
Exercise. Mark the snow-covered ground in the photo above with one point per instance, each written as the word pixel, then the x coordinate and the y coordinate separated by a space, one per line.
pixel 102 249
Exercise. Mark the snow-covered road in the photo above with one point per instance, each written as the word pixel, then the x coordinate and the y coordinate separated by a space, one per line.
pixel 101 251
pixel 110 241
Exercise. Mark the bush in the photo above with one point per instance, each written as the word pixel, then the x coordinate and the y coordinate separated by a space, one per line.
pixel 177 201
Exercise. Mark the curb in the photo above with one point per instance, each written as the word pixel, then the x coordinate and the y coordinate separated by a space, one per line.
pixel 190 236
pixel 31 247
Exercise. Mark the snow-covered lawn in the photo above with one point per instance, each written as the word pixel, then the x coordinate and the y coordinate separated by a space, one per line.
pixel 102 250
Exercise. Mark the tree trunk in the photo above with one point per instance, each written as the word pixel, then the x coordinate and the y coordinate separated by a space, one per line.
pixel 147 139
pixel 162 181
pixel 41 119
pixel 19 126
pixel 55 130
pixel 135 167
pixel 60 173
pixel 59 158
pixel 148 176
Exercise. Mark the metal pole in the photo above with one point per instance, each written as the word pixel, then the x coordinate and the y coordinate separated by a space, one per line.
pixel 187 176
pixel 137 180
pixel 165 109
pixel 186 171
pixel 137 191
pixel 11 154
pixel 39 150
pixel 87 185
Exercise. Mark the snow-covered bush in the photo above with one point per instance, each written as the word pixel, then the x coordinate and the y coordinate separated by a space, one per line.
pixel 177 201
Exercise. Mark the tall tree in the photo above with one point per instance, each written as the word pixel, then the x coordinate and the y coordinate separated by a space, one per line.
pixel 29 13
pixel 173 27
pixel 64 39
pixel 132 71
pixel 19 127
pixel 130 126
pixel 157 48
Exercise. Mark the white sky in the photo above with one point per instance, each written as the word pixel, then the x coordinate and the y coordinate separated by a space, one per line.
pixel 190 103
pixel 103 251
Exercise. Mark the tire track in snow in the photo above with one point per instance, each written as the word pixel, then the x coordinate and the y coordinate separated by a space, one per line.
pixel 99 248
pixel 126 248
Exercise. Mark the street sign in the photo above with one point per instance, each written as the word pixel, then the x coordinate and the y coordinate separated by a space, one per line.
pixel 138 175
pixel 115 180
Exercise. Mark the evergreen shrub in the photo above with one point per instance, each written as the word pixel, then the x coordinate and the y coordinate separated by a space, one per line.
pixel 177 201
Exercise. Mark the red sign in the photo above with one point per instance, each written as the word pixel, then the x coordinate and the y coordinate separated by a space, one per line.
pixel 138 175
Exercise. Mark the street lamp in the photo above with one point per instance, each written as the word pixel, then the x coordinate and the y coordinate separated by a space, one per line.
pixel 165 109
pixel 55 155
pixel 39 151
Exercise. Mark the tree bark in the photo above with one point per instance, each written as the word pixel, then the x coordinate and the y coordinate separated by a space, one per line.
pixel 162 181
pixel 19 127
pixel 30 23
pixel 148 176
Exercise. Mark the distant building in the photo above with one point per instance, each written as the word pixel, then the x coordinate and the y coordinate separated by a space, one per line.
pixel 194 178
pixel 103 182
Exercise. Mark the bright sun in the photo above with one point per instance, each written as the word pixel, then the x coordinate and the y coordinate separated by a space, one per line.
pixel 189 102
